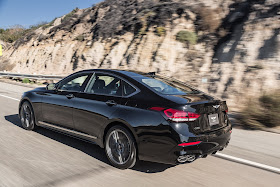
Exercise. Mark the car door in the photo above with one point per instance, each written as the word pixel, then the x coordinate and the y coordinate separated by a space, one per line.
pixel 93 108
pixel 57 105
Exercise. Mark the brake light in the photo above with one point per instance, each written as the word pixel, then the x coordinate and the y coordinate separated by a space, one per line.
pixel 157 108
pixel 189 144
pixel 226 111
pixel 177 115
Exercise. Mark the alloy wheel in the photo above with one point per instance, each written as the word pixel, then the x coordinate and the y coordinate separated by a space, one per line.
pixel 119 147
pixel 26 116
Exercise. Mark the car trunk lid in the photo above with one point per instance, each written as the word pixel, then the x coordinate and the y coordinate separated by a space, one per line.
pixel 213 116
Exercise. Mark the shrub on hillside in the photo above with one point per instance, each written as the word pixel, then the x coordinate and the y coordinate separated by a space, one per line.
pixel 208 19
pixel 160 31
pixel 262 113
pixel 80 38
pixel 12 34
pixel 26 80
pixel 2 31
pixel 16 32
pixel 68 16
pixel 49 24
pixel 187 37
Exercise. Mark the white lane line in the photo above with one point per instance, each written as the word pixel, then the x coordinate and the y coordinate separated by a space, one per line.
pixel 9 97
pixel 248 162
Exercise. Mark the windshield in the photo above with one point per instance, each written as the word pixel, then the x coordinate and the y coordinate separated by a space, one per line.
pixel 167 86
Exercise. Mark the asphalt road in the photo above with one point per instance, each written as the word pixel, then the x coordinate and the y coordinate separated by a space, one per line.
pixel 46 158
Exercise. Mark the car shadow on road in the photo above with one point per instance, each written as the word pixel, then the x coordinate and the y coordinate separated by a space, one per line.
pixel 89 148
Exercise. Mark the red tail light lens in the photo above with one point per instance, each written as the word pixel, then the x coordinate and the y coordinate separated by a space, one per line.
pixel 177 115
pixel 189 144
pixel 193 116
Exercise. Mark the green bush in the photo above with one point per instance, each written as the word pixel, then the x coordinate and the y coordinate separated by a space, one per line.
pixel 160 31
pixel 68 16
pixel 16 32
pixel 12 34
pixel 262 113
pixel 187 37
pixel 2 31
pixel 26 80
pixel 49 24
pixel 80 38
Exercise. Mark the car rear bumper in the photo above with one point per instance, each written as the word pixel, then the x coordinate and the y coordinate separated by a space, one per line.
pixel 210 144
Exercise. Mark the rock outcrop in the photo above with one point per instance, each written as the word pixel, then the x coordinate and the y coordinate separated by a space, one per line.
pixel 233 53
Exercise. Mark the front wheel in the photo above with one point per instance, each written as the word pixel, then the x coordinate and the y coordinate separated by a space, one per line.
pixel 27 116
pixel 120 147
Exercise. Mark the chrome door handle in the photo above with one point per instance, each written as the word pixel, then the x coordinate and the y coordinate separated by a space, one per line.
pixel 111 103
pixel 70 96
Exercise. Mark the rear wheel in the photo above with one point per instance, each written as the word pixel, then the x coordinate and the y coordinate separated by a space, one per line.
pixel 27 116
pixel 120 147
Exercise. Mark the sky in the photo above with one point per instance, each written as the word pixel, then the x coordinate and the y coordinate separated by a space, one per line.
pixel 30 12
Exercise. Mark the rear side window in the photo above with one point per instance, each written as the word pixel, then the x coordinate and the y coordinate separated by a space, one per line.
pixel 104 84
pixel 128 89
pixel 164 86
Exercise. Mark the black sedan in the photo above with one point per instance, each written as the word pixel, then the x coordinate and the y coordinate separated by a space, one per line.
pixel 132 115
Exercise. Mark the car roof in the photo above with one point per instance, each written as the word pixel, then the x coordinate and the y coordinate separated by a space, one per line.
pixel 123 72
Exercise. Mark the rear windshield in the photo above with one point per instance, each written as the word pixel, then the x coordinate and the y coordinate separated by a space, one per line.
pixel 166 86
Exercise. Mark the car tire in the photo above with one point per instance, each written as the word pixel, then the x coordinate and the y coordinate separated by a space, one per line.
pixel 27 116
pixel 120 147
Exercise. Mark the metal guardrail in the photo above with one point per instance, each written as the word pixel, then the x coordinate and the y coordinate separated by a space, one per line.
pixel 30 76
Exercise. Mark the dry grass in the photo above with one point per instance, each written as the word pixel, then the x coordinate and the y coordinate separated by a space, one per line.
pixel 264 112
pixel 12 34
pixel 6 65
pixel 160 31
pixel 208 19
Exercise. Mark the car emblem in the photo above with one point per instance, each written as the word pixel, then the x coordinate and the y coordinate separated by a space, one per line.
pixel 216 106
pixel 213 118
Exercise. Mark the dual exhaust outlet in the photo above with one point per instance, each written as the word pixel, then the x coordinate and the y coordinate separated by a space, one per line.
pixel 186 158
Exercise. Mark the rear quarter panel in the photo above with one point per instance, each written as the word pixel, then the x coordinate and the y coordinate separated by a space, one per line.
pixel 154 136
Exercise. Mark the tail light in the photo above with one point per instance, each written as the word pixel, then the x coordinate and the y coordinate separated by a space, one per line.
pixel 177 115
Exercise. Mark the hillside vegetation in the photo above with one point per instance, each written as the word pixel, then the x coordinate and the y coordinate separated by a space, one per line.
pixel 263 112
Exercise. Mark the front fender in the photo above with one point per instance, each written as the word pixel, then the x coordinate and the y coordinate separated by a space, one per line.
pixel 35 100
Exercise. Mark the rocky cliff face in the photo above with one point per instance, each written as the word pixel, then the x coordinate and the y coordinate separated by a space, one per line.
pixel 232 49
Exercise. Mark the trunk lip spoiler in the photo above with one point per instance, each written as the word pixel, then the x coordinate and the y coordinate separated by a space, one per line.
pixel 207 101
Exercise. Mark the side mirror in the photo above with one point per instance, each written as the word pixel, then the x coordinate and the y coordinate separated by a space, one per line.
pixel 51 86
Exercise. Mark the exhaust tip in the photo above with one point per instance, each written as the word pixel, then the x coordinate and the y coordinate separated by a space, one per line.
pixel 186 158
